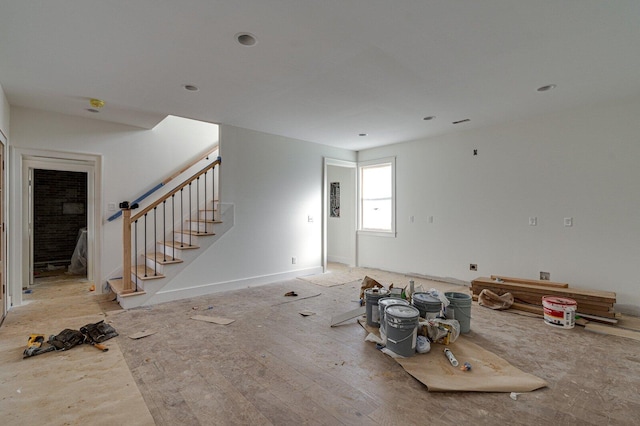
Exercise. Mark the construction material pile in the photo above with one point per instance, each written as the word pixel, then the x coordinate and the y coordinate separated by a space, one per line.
pixel 592 304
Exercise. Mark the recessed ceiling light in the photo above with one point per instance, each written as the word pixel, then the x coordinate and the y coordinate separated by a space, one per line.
pixel 93 110
pixel 546 88
pixel 246 39
pixel 362 134
pixel 190 87
pixel 431 117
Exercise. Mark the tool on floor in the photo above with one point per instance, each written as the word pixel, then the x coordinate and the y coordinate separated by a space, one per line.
pixel 34 346
pixel 96 333
pixel 452 358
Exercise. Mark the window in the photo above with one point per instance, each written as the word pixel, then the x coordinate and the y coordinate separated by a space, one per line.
pixel 377 196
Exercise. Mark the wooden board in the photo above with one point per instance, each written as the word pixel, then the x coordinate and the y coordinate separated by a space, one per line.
pixel 613 331
pixel 338 319
pixel 533 282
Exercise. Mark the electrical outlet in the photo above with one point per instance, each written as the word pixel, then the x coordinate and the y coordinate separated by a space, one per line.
pixel 111 207
pixel 430 219
pixel 310 219
pixel 294 260
pixel 412 219
pixel 568 221
pixel 473 266
pixel 545 276
pixel 533 221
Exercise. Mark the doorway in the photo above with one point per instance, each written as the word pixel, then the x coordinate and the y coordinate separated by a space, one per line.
pixel 25 161
pixel 339 213
pixel 59 223
pixel 3 290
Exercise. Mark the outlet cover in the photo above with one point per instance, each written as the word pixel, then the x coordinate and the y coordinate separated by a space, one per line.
pixel 545 276
pixel 473 266
pixel 533 221
pixel 294 260
pixel 568 221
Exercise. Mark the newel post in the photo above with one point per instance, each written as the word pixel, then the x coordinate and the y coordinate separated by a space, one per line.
pixel 127 286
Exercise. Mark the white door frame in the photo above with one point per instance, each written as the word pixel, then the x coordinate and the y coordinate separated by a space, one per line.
pixel 26 160
pixel 325 207
pixel 3 232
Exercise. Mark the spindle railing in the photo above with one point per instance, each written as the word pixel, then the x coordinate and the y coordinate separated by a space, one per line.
pixel 170 209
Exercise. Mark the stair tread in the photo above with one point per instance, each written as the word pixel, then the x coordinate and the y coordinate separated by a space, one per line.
pixel 204 221
pixel 142 269
pixel 117 286
pixel 177 245
pixel 195 233
pixel 163 259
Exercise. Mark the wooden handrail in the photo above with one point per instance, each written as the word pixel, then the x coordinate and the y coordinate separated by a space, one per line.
pixel 174 191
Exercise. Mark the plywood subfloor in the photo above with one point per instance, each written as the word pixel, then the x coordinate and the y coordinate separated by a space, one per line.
pixel 272 366
pixel 75 387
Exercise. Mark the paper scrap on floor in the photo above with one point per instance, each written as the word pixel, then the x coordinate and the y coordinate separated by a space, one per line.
pixel 215 320
pixel 489 372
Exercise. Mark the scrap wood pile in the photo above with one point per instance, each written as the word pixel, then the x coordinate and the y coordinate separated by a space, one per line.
pixel 527 294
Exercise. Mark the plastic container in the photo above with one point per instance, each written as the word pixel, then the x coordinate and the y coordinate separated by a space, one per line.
pixel 383 304
pixel 371 297
pixel 459 309
pixel 428 305
pixel 402 329
pixel 559 311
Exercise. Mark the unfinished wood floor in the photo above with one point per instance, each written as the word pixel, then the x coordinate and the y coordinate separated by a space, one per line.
pixel 274 367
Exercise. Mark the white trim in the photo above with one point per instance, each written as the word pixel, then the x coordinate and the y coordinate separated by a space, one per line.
pixel 325 208
pixel 206 289
pixel 25 159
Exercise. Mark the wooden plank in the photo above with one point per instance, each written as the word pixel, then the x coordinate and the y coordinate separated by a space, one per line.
pixel 602 296
pixel 337 319
pixel 612 331
pixel 528 308
pixel 533 282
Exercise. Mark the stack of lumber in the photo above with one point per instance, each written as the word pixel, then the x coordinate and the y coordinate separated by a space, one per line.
pixel 592 304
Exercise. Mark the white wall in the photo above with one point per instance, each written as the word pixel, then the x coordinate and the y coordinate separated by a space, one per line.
pixel 4 114
pixel 341 230
pixel 133 160
pixel 581 164
pixel 275 183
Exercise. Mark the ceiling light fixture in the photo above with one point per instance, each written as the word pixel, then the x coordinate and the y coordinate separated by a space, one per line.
pixel 546 88
pixel 190 87
pixel 431 117
pixel 362 134
pixel 246 39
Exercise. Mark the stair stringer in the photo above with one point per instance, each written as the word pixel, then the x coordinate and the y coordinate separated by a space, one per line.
pixel 170 271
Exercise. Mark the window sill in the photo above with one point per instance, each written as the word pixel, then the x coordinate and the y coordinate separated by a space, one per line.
pixel 388 234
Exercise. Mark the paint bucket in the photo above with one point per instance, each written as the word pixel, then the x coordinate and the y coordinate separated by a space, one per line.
pixel 559 311
pixel 459 309
pixel 371 297
pixel 383 303
pixel 402 329
pixel 428 305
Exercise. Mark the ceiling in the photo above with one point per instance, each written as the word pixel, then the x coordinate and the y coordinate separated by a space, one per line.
pixel 324 71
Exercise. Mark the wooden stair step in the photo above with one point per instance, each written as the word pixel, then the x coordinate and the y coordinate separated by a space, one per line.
pixel 204 221
pixel 196 233
pixel 163 259
pixel 178 245
pixel 117 286
pixel 144 269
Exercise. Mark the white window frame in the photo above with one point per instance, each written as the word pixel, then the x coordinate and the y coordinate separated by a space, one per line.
pixel 374 163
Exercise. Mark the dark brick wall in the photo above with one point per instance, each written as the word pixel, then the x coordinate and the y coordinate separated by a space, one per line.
pixel 56 231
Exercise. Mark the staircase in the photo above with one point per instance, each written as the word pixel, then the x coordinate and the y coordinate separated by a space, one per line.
pixel 163 238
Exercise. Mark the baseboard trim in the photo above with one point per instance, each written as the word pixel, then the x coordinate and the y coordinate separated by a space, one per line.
pixel 206 289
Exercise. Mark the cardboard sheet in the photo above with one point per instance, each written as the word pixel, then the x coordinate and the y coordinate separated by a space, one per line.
pixel 489 372
pixel 215 320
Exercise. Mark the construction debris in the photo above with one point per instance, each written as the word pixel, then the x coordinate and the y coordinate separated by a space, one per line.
pixel 215 320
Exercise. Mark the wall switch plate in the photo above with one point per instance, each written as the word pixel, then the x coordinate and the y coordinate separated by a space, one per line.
pixel 430 219
pixel 294 260
pixel 568 221
pixel 533 221
pixel 412 219
pixel 111 207
pixel 545 276
pixel 310 219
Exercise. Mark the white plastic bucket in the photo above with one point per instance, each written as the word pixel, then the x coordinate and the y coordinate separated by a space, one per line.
pixel 559 311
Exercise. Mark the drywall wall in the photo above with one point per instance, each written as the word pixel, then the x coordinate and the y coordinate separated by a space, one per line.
pixel 133 161
pixel 580 164
pixel 4 114
pixel 275 185
pixel 341 230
